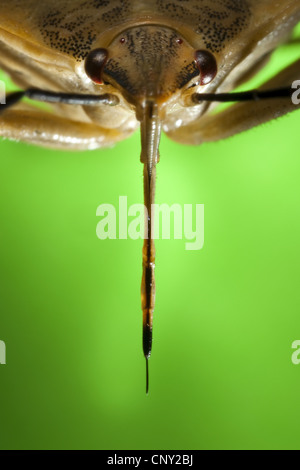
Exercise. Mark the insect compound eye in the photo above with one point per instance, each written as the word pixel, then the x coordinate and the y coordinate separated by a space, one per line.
pixel 207 65
pixel 95 63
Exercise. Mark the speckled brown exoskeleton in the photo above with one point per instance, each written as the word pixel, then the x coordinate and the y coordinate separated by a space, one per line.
pixel 110 66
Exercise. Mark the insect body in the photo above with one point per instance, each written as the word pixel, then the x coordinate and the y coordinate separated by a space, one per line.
pixel 155 64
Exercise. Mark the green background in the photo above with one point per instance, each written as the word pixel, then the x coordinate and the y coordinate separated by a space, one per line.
pixel 225 318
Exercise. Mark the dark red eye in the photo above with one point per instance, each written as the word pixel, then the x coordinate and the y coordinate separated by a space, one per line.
pixel 95 63
pixel 207 66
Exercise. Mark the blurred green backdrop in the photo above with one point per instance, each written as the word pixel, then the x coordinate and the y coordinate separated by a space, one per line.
pixel 226 316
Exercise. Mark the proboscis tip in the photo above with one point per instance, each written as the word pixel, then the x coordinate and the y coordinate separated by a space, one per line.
pixel 147 376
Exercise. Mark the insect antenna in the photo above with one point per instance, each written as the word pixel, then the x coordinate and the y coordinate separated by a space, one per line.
pixel 60 98
pixel 113 100
pixel 150 139
pixel 12 98
pixel 251 95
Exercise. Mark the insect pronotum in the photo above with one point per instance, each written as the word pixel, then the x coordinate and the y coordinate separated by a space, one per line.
pixel 154 63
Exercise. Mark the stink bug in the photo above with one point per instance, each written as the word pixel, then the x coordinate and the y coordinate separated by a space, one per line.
pixel 107 67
